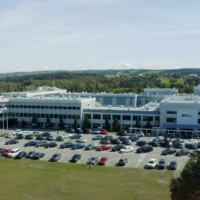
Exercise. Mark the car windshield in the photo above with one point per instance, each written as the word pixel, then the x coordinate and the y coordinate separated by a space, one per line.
pixel 12 152
pixel 151 161
pixel 162 162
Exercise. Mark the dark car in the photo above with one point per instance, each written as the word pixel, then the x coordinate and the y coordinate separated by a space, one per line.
pixel 145 148
pixel 122 132
pixel 190 146
pixel 45 134
pixel 55 157
pixel 19 136
pixel 161 164
pixel 126 142
pixel 109 137
pixel 13 141
pixel 31 143
pixel 76 136
pixel 79 130
pixel 37 155
pixel 105 141
pixel 21 154
pixel 141 143
pixel 98 137
pixel 178 145
pixel 182 152
pixel 178 140
pixel 93 161
pixel 115 141
pixel 78 146
pixel 59 138
pixel 69 130
pixel 118 147
pixel 67 145
pixel 50 145
pixel 29 137
pixel 40 137
pixel 91 147
pixel 87 131
pixel 41 144
pixel 198 145
pixel 122 162
pixel 30 154
pixel 168 151
pixel 154 143
pixel 195 152
pixel 172 165
pixel 121 138
pixel 166 142
pixel 76 158
pixel 50 138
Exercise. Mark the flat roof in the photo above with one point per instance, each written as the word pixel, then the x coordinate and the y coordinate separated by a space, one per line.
pixel 182 99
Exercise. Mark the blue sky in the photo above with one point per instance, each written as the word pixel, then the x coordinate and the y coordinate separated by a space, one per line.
pixel 99 34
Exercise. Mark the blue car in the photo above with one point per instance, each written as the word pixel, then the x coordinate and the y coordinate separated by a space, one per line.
pixel 133 138
pixel 31 143
pixel 78 146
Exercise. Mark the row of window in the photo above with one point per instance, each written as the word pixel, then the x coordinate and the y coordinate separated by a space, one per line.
pixel 175 112
pixel 45 107
pixel 123 117
pixel 173 120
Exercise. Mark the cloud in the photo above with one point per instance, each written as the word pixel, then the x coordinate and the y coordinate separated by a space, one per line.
pixel 126 65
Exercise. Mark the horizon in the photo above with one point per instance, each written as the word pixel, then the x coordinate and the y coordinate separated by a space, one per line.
pixel 98 35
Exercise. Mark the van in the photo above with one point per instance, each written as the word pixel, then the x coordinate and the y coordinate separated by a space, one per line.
pixel 13 152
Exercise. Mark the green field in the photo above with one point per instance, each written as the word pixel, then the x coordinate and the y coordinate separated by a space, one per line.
pixel 38 180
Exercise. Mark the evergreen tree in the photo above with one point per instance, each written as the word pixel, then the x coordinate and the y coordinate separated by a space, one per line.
pixel 107 124
pixel 23 124
pixel 187 186
pixel 148 124
pixel 116 124
pixel 48 122
pixel 35 122
pixel 75 124
pixel 61 123
pixel 86 123
pixel 138 123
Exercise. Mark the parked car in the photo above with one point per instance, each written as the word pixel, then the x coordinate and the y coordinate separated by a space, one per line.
pixel 161 164
pixel 126 142
pixel 115 141
pixel 91 146
pixel 41 144
pixel 122 132
pixel 6 152
pixel 67 145
pixel 109 137
pixel 2 150
pixel 139 134
pixel 103 160
pixel 87 131
pixel 19 136
pixel 121 138
pixel 59 138
pixel 166 142
pixel 29 137
pixel 172 165
pixel 141 143
pixel 76 136
pixel 133 138
pixel 96 131
pixel 195 152
pixel 152 164
pixel 103 132
pixel 145 148
pixel 13 152
pixel 168 151
pixel 93 161
pixel 126 149
pixel 50 138
pixel 31 143
pixel 79 130
pixel 182 152
pixel 78 146
pixel 69 130
pixel 118 147
pixel 198 145
pixel 30 154
pixel 104 147
pixel 192 141
pixel 191 145
pixel 81 140
pixel 122 162
pixel 178 145
pixel 98 137
pixel 105 141
pixel 154 143
pixel 37 155
pixel 12 141
pixel 76 158
pixel 21 154
pixel 56 157
pixel 51 145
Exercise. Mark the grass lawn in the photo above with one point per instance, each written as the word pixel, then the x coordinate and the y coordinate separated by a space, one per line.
pixel 165 81
pixel 40 180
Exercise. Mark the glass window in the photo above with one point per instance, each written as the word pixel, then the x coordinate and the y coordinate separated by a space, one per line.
pixel 118 117
pixel 135 117
pixel 171 112
pixel 126 117
pixel 171 120
pixel 96 116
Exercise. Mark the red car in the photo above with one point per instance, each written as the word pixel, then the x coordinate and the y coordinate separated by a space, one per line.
pixel 103 160
pixel 104 147
pixel 104 131
pixel 6 152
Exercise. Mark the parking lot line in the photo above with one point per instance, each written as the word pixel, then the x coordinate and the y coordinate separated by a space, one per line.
pixel 107 162
pixel 142 157
pixel 127 164
pixel 179 167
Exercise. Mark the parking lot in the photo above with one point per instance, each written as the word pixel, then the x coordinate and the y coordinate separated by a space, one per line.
pixel 134 160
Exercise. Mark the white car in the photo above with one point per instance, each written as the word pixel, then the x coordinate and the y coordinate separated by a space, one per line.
pixel 13 152
pixel 152 163
pixel 192 141
pixel 139 134
pixel 96 131
pixel 81 140
pixel 127 149
pixel 67 135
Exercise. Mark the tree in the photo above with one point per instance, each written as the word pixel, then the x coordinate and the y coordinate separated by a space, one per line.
pixel 61 123
pixel 48 123
pixel 107 124
pixel 86 122
pixel 187 186
pixel 138 123
pixel 23 124
pixel 116 124
pixel 35 122
pixel 75 124
pixel 148 124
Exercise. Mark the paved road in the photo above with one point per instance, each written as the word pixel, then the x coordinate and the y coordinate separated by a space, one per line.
pixel 135 160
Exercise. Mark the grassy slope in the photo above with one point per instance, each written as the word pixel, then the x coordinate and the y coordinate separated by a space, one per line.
pixel 25 179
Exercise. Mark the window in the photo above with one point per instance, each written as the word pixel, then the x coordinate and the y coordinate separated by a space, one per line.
pixel 105 116
pixel 25 106
pixel 147 118
pixel 126 117
pixel 88 116
pixel 198 121
pixel 55 107
pixel 78 108
pixel 171 112
pixel 96 116
pixel 135 117
pixel 38 106
pixel 69 108
pixel 171 120
pixel 21 106
pixel 198 113
pixel 117 116
pixel 157 119
pixel 73 108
